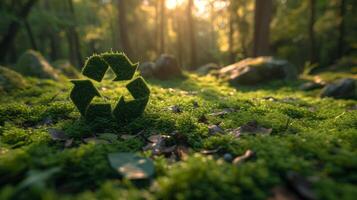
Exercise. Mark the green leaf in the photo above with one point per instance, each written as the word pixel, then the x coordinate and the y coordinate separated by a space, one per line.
pixel 38 178
pixel 131 166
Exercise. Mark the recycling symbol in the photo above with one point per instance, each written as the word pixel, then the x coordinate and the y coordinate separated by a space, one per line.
pixel 95 68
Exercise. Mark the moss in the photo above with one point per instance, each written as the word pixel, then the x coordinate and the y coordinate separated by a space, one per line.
pixel 33 64
pixel 312 136
pixel 82 94
pixel 10 80
pixel 95 68
pixel 123 68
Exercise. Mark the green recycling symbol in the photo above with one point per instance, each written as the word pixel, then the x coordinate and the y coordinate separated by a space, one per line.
pixel 95 68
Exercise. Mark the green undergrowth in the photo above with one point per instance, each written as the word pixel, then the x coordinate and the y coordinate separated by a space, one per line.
pixel 314 137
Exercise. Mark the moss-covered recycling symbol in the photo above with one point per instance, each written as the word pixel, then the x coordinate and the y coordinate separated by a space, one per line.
pixel 95 68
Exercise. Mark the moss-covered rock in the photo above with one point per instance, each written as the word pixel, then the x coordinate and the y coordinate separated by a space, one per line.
pixel 166 67
pixel 10 80
pixel 33 64
pixel 66 68
pixel 252 71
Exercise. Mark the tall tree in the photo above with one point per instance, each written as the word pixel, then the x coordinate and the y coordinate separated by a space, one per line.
pixel 232 16
pixel 13 29
pixel 312 42
pixel 162 26
pixel 262 18
pixel 191 29
pixel 123 27
pixel 341 37
pixel 73 38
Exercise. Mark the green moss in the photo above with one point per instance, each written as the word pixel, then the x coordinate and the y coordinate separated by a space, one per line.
pixel 123 68
pixel 312 136
pixel 95 68
pixel 82 94
pixel 10 80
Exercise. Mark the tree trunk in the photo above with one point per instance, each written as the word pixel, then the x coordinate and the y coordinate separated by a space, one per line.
pixel 13 29
pixel 341 37
pixel 30 35
pixel 73 39
pixel 179 37
pixel 191 29
pixel 312 52
pixel 123 28
pixel 231 13
pixel 157 27
pixel 263 11
pixel 162 26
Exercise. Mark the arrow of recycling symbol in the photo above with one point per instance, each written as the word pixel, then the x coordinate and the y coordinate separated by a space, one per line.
pixel 95 68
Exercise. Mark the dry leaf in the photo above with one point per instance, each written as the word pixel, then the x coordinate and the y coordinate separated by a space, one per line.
pixel 222 112
pixel 214 129
pixel 283 193
pixel 57 134
pixel 251 128
pixel 238 160
pixel 175 109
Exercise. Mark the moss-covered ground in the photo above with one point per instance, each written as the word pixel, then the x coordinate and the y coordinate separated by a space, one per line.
pixel 313 137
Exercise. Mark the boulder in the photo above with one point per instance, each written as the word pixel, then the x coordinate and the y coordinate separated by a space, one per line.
pixel 341 89
pixel 146 69
pixel 10 80
pixel 205 69
pixel 66 68
pixel 166 67
pixel 311 86
pixel 252 71
pixel 33 64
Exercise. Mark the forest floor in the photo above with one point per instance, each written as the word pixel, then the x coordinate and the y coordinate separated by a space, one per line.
pixel 301 146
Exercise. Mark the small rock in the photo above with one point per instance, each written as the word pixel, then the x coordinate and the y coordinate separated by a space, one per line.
pixel 228 157
pixel 341 89
pixel 311 86
pixel 195 104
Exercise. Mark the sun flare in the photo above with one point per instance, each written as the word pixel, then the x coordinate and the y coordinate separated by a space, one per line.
pixel 200 5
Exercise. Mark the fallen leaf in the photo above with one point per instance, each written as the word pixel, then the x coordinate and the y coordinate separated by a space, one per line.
pixel 211 151
pixel 131 166
pixel 238 160
pixel 175 109
pixel 158 145
pixel 38 178
pixel 214 129
pixel 57 134
pixel 182 152
pixel 300 185
pixel 222 112
pixel 68 143
pixel 251 128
